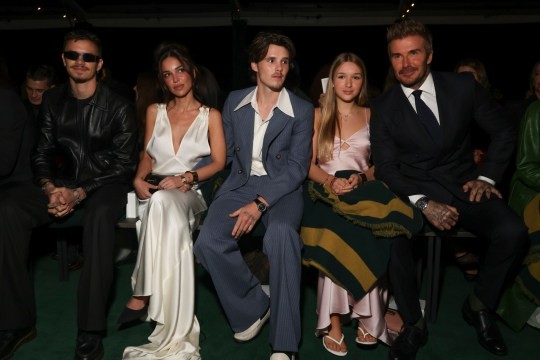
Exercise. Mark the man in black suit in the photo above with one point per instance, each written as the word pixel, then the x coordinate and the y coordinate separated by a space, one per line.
pixel 421 143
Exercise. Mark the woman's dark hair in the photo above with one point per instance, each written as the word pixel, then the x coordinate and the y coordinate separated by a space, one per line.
pixel 179 51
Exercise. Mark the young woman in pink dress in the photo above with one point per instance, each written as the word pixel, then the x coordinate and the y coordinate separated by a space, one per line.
pixel 341 142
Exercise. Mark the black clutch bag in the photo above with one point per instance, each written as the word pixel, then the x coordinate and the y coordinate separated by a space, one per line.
pixel 154 179
pixel 345 173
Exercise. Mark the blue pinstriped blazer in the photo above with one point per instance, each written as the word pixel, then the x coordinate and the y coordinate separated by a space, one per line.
pixel 286 146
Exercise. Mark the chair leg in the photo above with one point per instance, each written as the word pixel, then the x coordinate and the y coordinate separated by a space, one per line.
pixel 419 272
pixel 433 277
pixel 429 278
pixel 62 249
pixel 436 278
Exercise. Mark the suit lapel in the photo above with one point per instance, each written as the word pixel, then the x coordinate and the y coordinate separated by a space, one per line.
pixel 446 111
pixel 275 126
pixel 244 126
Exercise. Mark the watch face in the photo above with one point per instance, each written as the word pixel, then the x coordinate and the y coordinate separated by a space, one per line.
pixel 422 203
pixel 261 207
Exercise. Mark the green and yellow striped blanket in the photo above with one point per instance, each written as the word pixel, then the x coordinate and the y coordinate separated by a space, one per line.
pixel 349 237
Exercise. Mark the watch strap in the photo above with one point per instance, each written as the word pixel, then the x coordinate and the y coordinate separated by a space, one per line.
pixel 260 205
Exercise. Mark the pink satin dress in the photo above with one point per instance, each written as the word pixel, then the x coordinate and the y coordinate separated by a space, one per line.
pixel 351 154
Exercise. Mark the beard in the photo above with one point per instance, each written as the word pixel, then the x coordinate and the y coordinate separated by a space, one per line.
pixel 79 78
pixel 411 82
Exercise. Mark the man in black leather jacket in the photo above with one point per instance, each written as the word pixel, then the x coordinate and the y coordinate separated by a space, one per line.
pixel 85 158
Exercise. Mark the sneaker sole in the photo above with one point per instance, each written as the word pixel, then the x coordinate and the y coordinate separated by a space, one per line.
pixel 263 321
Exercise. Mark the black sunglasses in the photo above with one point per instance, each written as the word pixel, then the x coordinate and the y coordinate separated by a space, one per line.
pixel 86 57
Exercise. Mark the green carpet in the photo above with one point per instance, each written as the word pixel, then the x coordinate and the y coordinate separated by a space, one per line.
pixel 449 337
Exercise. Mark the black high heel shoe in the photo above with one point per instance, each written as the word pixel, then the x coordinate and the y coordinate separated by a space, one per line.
pixel 130 316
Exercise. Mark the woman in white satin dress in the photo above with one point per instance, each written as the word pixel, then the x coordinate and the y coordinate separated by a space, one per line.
pixel 184 141
pixel 341 142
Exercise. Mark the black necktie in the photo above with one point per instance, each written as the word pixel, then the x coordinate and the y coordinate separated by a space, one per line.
pixel 427 118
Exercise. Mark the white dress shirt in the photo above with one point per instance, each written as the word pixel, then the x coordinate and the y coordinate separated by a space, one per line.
pixel 428 95
pixel 260 125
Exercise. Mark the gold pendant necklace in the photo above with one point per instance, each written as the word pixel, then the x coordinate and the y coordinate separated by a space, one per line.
pixel 344 117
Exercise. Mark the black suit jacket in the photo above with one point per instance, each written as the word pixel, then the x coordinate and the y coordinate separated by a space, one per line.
pixel 408 160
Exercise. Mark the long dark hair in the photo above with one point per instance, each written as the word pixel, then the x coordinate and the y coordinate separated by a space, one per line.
pixel 179 51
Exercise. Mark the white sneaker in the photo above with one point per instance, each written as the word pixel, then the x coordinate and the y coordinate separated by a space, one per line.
pixel 254 329
pixel 281 356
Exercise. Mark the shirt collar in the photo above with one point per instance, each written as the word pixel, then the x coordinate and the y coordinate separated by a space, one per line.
pixel 428 86
pixel 283 102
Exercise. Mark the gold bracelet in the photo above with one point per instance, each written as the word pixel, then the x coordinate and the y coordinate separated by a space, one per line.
pixel 332 181
pixel 195 176
pixel 43 184
pixel 77 196
pixel 363 177
pixel 325 180
pixel 44 187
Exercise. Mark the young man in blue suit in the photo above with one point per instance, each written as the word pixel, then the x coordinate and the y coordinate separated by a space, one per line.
pixel 268 131
pixel 421 142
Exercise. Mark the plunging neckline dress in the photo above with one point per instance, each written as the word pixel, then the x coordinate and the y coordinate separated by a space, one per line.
pixel 165 265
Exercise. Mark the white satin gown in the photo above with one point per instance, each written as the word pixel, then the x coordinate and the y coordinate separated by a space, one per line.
pixel 165 263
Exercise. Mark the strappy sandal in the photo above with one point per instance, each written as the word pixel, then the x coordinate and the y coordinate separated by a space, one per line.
pixel 366 338
pixel 334 352
pixel 468 263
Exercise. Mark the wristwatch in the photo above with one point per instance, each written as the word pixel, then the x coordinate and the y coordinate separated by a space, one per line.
pixel 363 177
pixel 260 205
pixel 195 176
pixel 422 203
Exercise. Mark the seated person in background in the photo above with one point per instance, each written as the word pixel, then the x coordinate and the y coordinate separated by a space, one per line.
pixel 533 93
pixel 146 93
pixel 480 138
pixel 209 87
pixel 268 131
pixel 94 130
pixel 422 150
pixel 38 79
pixel 466 258
pixel 184 144
pixel 520 304
pixel 341 142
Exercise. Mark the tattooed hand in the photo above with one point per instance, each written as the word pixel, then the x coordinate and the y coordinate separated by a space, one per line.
pixel 442 216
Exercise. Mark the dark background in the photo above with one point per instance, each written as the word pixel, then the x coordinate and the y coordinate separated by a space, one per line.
pixel 507 50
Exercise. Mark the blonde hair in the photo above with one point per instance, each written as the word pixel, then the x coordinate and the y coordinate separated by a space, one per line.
pixel 329 122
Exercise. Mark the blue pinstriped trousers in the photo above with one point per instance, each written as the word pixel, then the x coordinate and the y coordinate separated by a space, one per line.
pixel 238 289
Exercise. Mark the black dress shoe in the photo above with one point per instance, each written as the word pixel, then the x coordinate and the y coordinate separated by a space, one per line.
pixel 130 316
pixel 486 328
pixel 408 343
pixel 11 340
pixel 89 346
